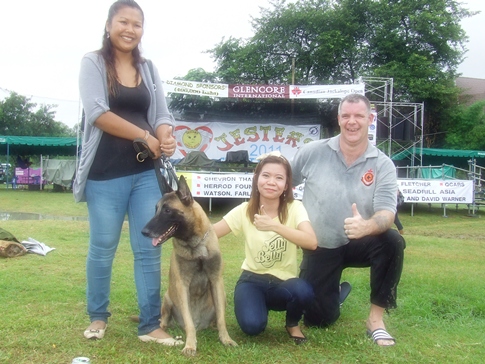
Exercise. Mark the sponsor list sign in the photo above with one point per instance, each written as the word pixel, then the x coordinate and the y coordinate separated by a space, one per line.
pixel 238 185
pixel 221 185
pixel 436 191
pixel 228 185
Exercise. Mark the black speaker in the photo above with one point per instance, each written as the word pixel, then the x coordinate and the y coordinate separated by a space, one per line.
pixel 409 130
pixel 398 129
pixel 382 127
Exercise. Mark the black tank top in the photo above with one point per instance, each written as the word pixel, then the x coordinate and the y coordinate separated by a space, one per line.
pixel 115 156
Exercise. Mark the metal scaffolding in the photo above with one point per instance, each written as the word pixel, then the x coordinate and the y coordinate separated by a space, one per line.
pixel 400 125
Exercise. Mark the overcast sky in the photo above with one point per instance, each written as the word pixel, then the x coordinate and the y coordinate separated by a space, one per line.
pixel 44 41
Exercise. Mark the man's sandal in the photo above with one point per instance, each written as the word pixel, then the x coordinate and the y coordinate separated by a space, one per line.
pixel 380 334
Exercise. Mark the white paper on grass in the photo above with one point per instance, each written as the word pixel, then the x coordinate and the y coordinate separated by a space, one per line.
pixel 36 247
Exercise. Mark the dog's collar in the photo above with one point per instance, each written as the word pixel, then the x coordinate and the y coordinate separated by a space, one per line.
pixel 205 236
pixel 200 250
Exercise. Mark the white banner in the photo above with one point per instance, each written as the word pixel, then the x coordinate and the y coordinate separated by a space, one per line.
pixel 224 185
pixel 196 88
pixel 238 185
pixel 372 133
pixel 227 185
pixel 325 91
pixel 262 91
pixel 436 191
pixel 215 139
pixel 298 191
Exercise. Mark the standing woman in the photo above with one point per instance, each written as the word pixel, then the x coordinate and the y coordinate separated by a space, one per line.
pixel 122 102
pixel 273 225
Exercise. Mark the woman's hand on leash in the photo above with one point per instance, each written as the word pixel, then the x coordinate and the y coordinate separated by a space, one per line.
pixel 168 145
pixel 153 144
pixel 166 140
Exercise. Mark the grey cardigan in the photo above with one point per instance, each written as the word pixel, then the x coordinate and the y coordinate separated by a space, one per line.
pixel 93 88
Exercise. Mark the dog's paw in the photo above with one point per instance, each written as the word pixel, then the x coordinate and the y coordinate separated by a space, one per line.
pixel 189 351
pixel 226 339
pixel 229 342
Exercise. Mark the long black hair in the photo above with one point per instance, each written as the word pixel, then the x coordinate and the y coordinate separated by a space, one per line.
pixel 107 50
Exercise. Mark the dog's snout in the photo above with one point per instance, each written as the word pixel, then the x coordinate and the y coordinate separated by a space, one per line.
pixel 145 232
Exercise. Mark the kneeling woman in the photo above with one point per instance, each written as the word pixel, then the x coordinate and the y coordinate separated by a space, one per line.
pixel 273 225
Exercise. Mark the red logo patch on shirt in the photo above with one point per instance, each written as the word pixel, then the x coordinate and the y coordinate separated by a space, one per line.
pixel 368 177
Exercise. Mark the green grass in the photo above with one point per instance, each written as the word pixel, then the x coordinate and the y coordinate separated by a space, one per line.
pixel 440 318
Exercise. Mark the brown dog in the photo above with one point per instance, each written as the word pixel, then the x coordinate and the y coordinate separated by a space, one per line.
pixel 195 297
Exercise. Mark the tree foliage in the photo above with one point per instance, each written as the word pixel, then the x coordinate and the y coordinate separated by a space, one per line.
pixel 20 116
pixel 194 107
pixel 466 128
pixel 417 43
pixel 420 44
pixel 339 41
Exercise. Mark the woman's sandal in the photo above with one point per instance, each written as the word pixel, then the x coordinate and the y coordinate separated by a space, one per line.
pixel 95 333
pixel 298 340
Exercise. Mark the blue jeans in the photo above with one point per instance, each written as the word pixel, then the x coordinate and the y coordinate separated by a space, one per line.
pixel 108 203
pixel 256 294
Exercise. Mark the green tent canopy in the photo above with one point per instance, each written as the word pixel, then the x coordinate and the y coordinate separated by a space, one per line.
pixel 31 145
pixel 439 153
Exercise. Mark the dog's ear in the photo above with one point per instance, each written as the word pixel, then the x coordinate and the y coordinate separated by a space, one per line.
pixel 184 193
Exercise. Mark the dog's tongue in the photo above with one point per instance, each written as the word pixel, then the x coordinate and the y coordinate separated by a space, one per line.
pixel 155 241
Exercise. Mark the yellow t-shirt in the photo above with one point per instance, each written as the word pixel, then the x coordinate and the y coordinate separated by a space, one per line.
pixel 266 251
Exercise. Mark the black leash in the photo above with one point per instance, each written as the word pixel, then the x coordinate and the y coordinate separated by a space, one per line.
pixel 169 174
pixel 167 180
